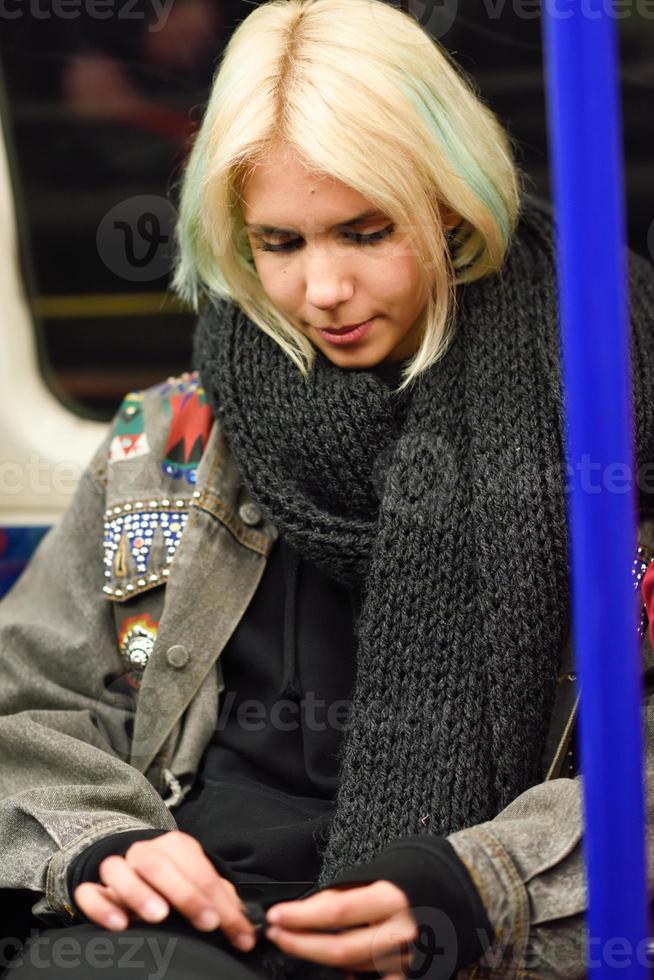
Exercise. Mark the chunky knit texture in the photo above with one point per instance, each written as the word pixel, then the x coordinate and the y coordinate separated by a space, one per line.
pixel 447 506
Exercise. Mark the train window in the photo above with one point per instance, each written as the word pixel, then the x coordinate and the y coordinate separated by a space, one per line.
pixel 101 100
pixel 499 44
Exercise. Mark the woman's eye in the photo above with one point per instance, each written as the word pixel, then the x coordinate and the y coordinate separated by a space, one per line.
pixel 370 239
pixel 348 234
pixel 281 247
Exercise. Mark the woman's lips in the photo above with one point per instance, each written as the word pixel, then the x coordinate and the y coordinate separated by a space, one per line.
pixel 352 326
pixel 347 335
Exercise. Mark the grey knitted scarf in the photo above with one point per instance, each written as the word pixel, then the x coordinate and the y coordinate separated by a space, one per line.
pixel 447 509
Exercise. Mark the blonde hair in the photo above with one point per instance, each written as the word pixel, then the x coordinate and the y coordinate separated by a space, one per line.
pixel 360 92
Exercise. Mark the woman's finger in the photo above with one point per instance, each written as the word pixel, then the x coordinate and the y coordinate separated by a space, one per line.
pixel 133 892
pixel 98 905
pixel 149 874
pixel 396 963
pixel 382 945
pixel 191 860
pixel 338 909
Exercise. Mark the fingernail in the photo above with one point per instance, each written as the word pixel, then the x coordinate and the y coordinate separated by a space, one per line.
pixel 208 919
pixel 245 942
pixel 155 910
pixel 117 921
pixel 273 916
pixel 272 932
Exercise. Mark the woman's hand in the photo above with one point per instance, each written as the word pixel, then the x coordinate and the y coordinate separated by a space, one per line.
pixel 170 870
pixel 375 921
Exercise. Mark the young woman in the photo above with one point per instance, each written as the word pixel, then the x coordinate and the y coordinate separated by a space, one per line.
pixel 322 675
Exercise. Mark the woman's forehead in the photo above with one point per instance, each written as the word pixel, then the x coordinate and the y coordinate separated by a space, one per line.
pixel 282 193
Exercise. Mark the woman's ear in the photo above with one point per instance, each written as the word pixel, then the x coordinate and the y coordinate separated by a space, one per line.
pixel 449 217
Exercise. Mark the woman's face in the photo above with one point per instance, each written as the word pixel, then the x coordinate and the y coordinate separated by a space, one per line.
pixel 317 268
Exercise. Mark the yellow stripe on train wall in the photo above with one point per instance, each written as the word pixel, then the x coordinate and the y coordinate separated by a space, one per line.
pixel 44 447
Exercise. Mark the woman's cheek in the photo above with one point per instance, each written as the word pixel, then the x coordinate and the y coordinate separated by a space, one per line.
pixel 278 284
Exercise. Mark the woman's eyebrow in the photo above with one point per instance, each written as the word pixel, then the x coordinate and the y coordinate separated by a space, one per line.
pixel 271 229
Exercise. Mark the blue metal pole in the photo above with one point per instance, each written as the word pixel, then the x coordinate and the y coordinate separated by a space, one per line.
pixel 586 149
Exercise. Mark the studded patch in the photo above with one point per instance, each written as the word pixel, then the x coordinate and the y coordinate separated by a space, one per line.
pixel 640 565
pixel 140 542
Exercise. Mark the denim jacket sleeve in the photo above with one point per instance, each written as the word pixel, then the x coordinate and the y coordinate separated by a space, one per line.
pixel 64 782
pixel 528 866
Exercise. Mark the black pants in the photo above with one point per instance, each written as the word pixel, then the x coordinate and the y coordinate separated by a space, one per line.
pixel 171 950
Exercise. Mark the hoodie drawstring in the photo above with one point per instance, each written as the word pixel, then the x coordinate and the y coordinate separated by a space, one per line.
pixel 290 686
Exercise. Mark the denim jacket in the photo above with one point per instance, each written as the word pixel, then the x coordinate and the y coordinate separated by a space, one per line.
pixel 110 647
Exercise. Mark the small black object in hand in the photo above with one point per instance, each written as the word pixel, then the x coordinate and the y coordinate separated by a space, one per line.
pixel 257 916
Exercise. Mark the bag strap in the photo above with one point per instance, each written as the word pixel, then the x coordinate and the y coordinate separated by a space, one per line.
pixel 560 755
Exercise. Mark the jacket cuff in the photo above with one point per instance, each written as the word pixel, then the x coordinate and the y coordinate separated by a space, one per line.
pixel 86 866
pixel 504 895
pixel 431 875
pixel 56 899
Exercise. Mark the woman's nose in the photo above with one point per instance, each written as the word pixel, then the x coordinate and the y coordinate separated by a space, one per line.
pixel 328 282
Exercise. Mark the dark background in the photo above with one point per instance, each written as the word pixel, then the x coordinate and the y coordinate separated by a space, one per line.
pixel 100 111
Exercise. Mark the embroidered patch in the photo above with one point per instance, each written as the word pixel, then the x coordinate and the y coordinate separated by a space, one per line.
pixel 136 641
pixel 129 439
pixel 128 447
pixel 133 535
pixel 185 402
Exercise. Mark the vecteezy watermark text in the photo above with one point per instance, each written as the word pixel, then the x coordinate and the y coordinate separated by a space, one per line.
pixel 286 715
pixel 565 9
pixel 40 476
pixel 60 949
pixel 132 10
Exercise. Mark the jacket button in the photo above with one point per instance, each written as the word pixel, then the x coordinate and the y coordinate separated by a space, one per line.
pixel 178 656
pixel 250 514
